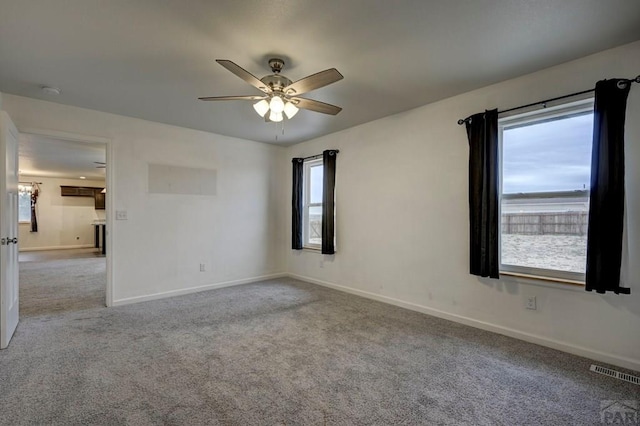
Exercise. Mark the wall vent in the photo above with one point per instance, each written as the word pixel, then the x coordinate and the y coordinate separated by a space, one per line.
pixel 615 374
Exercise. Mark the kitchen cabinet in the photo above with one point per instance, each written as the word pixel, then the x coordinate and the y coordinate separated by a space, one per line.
pixel 85 191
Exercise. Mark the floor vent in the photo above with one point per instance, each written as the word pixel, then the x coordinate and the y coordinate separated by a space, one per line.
pixel 615 374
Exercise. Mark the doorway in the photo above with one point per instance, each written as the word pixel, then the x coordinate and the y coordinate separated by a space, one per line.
pixel 63 247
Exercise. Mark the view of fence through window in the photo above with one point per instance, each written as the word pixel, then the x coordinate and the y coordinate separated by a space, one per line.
pixel 546 168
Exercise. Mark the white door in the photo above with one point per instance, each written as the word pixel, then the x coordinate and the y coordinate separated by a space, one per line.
pixel 8 229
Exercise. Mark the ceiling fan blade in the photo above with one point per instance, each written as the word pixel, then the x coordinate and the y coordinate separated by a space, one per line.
pixel 314 81
pixel 233 98
pixel 316 106
pixel 244 74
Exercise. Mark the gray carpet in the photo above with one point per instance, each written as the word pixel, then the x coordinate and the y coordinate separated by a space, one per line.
pixel 62 285
pixel 283 352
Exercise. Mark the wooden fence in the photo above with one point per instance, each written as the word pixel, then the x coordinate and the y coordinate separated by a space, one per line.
pixel 561 223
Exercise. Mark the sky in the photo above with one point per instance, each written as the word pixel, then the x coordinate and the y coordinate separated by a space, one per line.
pixel 548 156
pixel 316 184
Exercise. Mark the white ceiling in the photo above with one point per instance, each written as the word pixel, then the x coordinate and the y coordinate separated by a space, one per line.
pixel 51 157
pixel 151 59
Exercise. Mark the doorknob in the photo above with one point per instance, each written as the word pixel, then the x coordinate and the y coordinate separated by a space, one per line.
pixel 12 240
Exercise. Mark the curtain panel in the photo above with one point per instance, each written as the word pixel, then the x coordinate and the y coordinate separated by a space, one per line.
pixel 35 191
pixel 328 201
pixel 606 205
pixel 482 132
pixel 296 204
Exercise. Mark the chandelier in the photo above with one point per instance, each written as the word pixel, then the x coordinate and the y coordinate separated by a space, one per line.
pixel 25 188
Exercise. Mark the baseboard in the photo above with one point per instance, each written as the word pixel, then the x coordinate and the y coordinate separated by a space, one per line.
pixel 624 362
pixel 78 246
pixel 183 291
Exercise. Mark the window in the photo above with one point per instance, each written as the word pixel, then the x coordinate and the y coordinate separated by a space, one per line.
pixel 545 179
pixel 312 196
pixel 24 202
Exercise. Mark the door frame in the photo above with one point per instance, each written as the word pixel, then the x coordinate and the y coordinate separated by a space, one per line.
pixel 109 208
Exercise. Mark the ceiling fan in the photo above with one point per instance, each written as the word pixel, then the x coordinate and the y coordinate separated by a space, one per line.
pixel 280 96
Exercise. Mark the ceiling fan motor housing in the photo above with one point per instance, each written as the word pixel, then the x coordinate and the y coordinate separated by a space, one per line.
pixel 276 65
pixel 276 82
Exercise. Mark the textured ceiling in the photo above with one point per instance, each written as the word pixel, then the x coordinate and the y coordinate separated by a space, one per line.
pixel 151 59
pixel 51 157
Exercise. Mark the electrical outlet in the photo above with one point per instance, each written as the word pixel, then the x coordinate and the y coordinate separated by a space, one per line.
pixel 121 215
pixel 530 302
pixel 202 267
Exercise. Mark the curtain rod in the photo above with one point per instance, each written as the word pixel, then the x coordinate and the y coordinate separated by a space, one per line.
pixel 630 80
pixel 313 157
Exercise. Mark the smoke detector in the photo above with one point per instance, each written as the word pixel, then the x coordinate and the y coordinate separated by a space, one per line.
pixel 48 90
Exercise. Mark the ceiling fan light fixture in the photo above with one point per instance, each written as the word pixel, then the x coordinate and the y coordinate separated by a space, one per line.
pixel 290 110
pixel 279 94
pixel 275 116
pixel 261 107
pixel 276 104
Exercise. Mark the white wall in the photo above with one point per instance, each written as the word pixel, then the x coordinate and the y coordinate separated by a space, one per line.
pixel 63 222
pixel 402 219
pixel 158 250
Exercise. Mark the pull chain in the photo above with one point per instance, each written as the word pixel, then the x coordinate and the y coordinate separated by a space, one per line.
pixel 282 124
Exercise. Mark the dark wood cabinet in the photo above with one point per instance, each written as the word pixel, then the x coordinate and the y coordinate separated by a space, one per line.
pixel 76 191
pixel 68 191
pixel 99 198
pixel 85 191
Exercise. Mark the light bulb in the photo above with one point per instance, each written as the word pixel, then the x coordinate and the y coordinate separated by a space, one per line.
pixel 261 107
pixel 276 105
pixel 290 109
pixel 275 116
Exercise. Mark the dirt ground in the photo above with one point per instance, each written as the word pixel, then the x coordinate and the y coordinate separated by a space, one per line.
pixel 559 252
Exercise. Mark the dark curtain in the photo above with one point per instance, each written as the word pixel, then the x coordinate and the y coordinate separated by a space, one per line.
pixel 606 207
pixel 34 200
pixel 482 131
pixel 296 204
pixel 328 200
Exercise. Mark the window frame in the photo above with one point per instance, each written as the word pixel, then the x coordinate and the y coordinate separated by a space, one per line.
pixel 306 203
pixel 565 110
pixel 30 191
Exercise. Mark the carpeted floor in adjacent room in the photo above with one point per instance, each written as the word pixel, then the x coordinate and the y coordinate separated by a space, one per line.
pixel 284 352
pixel 58 281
